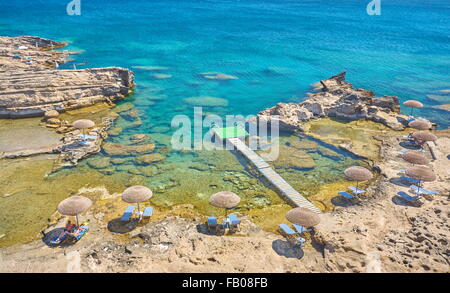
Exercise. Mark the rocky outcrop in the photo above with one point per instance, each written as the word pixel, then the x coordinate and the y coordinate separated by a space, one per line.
pixel 30 86
pixel 338 99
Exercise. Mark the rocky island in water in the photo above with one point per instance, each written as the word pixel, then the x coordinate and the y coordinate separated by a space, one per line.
pixel 377 233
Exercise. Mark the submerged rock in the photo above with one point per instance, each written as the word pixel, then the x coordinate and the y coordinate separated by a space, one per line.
pixel 124 107
pixel 218 76
pixel 148 159
pixel 290 157
pixel 99 162
pixel 206 101
pixel 139 138
pixel 115 149
pixel 161 76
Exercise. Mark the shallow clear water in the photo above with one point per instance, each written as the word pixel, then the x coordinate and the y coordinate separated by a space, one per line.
pixel 276 49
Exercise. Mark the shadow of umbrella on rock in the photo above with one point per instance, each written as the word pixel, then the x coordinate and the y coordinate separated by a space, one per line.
pixel 287 249
pixel 122 227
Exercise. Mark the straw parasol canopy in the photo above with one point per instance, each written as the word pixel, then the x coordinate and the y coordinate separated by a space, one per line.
pixel 224 199
pixel 413 104
pixel 303 216
pixel 358 173
pixel 74 205
pixel 415 158
pixel 421 173
pixel 135 194
pixel 83 124
pixel 424 135
pixel 419 124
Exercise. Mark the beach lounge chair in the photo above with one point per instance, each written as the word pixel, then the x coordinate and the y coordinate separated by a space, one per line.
pixel 234 221
pixel 412 199
pixel 300 229
pixel 299 241
pixel 287 230
pixel 346 195
pixel 408 179
pixel 212 223
pixel 356 190
pixel 148 212
pixel 127 214
pixel 86 136
pixel 80 232
pixel 58 240
pixel 424 191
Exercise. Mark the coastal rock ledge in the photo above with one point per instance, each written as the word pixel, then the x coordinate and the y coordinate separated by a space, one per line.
pixel 336 98
pixel 33 90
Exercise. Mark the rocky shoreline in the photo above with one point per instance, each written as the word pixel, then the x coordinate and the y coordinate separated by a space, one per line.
pixel 30 85
pixel 336 98
pixel 379 234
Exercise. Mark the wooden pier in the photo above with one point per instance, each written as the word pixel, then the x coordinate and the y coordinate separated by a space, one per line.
pixel 273 177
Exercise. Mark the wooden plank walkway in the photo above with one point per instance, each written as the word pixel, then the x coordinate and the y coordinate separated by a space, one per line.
pixel 273 177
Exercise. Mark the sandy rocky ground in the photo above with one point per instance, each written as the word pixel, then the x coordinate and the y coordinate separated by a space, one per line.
pixel 379 234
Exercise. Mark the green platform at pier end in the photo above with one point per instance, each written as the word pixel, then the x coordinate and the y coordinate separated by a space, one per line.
pixel 230 132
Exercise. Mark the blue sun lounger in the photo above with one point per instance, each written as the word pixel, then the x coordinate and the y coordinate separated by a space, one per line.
pixel 55 240
pixel 412 180
pixel 79 233
pixel 148 212
pixel 234 220
pixel 300 229
pixel 356 190
pixel 127 214
pixel 299 241
pixel 424 191
pixel 409 198
pixel 292 234
pixel 87 136
pixel 212 223
pixel 346 195
pixel 286 229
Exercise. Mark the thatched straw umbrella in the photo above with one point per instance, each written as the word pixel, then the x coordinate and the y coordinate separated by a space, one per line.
pixel 303 216
pixel 413 104
pixel 74 205
pixel 225 200
pixel 421 173
pixel 136 194
pixel 83 124
pixel 424 136
pixel 420 124
pixel 415 158
pixel 358 173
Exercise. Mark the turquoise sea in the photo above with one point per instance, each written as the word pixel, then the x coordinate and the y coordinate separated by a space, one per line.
pixel 275 48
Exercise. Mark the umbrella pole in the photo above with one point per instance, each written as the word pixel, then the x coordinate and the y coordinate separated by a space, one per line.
pixel 76 216
pixel 138 208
